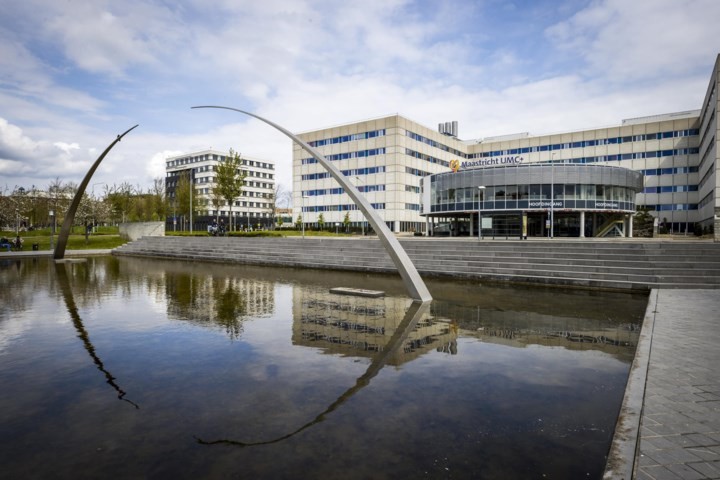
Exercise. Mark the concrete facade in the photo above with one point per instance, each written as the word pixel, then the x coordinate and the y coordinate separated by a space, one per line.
pixel 256 203
pixel 135 230
pixel 386 158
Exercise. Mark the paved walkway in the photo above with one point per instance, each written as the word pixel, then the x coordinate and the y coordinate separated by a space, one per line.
pixel 48 253
pixel 669 427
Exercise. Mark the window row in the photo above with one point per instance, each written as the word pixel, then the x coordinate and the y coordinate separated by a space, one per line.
pixel 589 143
pixel 435 144
pixel 347 138
pixel 669 171
pixel 345 156
pixel 340 190
pixel 339 208
pixel 427 158
pixel 673 206
pixel 417 172
pixel 631 156
pixel 533 192
pixel 671 189
pixel 348 173
pixel 207 157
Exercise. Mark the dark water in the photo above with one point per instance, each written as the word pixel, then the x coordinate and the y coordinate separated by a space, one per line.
pixel 134 368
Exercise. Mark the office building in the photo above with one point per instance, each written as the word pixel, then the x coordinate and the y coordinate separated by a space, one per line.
pixel 254 209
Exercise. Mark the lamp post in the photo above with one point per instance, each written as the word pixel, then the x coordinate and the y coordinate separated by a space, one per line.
pixel 92 194
pixel 362 220
pixel 481 198
pixel 302 214
pixel 192 184
pixel 52 229
pixel 552 195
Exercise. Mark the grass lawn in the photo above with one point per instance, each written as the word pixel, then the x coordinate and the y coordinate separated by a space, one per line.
pixel 75 241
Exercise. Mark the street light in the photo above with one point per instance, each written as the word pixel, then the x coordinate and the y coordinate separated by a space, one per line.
pixel 481 199
pixel 52 229
pixel 302 215
pixel 92 194
pixel 552 195
pixel 192 185
pixel 362 220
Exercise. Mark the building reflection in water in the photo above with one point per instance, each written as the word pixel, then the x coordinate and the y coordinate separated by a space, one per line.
pixel 523 328
pixel 215 296
pixel 399 340
pixel 361 326
pixel 222 301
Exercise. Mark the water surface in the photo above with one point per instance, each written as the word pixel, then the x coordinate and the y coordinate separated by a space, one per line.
pixel 136 368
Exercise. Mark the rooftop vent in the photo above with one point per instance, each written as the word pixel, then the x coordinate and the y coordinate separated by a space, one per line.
pixel 449 128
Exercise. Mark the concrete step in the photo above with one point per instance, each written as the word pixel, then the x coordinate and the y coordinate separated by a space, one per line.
pixel 639 265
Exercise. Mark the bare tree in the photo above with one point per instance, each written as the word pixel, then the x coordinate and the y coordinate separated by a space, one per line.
pixel 281 199
pixel 59 198
pixel 121 198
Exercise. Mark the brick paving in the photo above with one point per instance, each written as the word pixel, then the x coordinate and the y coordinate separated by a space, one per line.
pixel 675 385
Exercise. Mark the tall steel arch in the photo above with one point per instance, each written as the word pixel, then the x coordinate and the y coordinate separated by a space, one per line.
pixel 415 286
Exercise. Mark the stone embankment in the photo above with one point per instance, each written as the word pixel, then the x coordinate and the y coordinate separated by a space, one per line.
pixel 619 265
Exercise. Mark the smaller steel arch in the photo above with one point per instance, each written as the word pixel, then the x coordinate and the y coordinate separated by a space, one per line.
pixel 70 215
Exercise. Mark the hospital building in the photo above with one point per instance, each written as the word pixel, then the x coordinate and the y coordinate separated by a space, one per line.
pixel 584 183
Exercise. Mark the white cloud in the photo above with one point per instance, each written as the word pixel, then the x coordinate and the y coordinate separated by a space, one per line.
pixel 78 73
pixel 623 40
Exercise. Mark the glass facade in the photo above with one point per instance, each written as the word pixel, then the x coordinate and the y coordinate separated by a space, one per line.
pixel 534 187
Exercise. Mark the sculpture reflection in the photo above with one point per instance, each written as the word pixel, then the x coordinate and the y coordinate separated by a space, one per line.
pixel 82 332
pixel 398 340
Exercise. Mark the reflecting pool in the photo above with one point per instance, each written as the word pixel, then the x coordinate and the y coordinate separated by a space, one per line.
pixel 137 368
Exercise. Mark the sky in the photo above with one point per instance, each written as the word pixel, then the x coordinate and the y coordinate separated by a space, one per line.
pixel 75 74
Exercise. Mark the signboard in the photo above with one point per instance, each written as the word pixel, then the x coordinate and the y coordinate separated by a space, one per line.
pixel 487 162
pixel 545 204
pixel 486 222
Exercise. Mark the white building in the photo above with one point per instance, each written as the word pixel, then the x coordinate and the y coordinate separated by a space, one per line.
pixel 386 158
pixel 253 208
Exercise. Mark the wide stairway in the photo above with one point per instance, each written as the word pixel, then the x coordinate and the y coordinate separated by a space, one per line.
pixel 628 264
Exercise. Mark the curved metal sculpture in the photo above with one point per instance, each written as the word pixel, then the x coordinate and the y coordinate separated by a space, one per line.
pixel 414 284
pixel 413 315
pixel 83 334
pixel 70 215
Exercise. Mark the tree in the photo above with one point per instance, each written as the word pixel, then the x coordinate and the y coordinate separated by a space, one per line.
pixel 298 222
pixel 121 198
pixel 182 194
pixel 59 198
pixel 280 199
pixel 230 180
pixel 159 200
pixel 346 220
pixel 321 221
pixel 643 223
pixel 214 198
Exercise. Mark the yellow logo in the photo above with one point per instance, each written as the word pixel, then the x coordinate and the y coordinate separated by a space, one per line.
pixel 455 165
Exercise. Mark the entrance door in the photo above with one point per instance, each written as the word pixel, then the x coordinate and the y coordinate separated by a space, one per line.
pixel 535 225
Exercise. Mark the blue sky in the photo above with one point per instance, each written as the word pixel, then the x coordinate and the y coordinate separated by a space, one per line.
pixel 74 74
